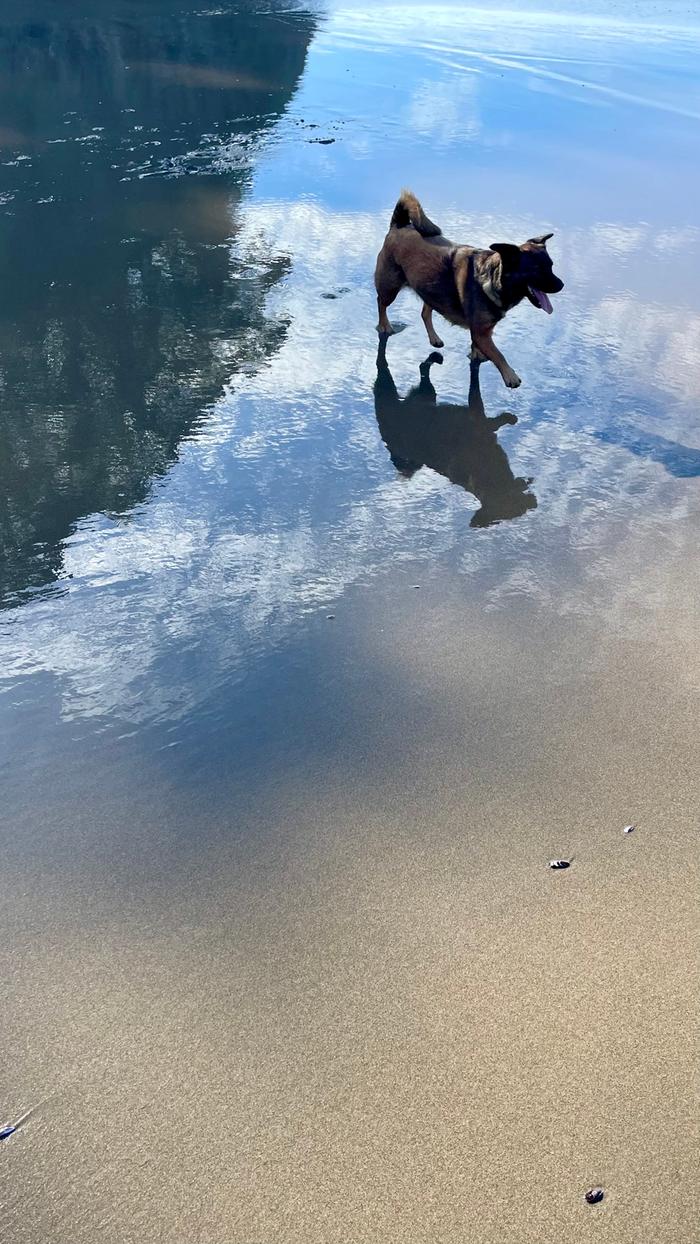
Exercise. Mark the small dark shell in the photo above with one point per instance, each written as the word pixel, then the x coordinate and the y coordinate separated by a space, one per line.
pixel 594 1195
pixel 559 864
pixel 6 1131
pixel 330 616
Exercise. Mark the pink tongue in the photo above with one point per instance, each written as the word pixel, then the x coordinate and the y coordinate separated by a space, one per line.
pixel 542 299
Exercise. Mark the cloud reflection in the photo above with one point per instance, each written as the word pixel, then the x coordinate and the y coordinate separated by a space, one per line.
pixel 284 495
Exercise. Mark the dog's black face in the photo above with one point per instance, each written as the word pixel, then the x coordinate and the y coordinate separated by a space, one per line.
pixel 527 271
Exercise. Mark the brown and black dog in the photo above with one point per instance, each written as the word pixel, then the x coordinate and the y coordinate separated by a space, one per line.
pixel 469 287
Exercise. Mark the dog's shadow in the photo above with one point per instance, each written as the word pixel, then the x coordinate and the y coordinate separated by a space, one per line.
pixel 458 442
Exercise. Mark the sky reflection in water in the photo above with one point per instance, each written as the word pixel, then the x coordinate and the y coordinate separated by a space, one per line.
pixel 240 482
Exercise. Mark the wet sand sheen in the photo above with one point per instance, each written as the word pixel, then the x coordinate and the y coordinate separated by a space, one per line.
pixel 380 1015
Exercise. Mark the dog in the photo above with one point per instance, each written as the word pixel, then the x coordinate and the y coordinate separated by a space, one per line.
pixel 469 287
pixel 458 442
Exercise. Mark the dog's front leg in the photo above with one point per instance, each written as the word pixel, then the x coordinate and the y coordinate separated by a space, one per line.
pixel 483 342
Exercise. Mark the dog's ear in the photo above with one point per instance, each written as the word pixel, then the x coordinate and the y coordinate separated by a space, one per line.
pixel 510 254
pixel 541 240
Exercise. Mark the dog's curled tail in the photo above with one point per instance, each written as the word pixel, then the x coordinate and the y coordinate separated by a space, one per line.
pixel 408 211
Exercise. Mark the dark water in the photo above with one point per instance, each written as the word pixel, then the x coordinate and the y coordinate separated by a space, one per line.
pixel 129 137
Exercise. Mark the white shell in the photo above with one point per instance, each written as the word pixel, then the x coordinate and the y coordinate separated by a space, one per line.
pixel 629 829
pixel 559 863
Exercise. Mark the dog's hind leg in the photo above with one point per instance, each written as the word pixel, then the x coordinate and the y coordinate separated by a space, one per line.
pixel 386 395
pixel 427 318
pixel 384 326
pixel 389 280
pixel 431 360
pixel 426 389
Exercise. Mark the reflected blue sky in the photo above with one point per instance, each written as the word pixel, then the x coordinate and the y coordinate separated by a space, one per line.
pixel 280 498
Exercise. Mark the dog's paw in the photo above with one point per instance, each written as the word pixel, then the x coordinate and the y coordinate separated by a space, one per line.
pixel 511 379
pixel 437 343
pixel 428 363
pixel 390 330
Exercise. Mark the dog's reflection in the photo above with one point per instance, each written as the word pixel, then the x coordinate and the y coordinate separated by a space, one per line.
pixel 458 442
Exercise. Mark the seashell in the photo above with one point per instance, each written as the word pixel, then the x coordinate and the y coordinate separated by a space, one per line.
pixel 594 1195
pixel 7 1131
pixel 330 616
pixel 560 863
pixel 629 829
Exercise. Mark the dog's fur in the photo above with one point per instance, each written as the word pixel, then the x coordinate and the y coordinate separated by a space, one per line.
pixel 469 287
pixel 458 442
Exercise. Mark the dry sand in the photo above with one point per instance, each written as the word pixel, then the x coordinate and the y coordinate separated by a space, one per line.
pixel 340 996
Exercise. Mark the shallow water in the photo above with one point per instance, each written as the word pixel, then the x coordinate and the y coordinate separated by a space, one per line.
pixel 192 461
pixel 219 522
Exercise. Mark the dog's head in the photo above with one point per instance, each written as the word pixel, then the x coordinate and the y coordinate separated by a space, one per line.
pixel 526 271
pixel 503 503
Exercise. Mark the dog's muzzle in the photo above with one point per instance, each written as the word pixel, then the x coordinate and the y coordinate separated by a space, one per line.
pixel 538 297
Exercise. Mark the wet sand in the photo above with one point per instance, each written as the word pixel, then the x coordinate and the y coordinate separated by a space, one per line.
pixel 359 1006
